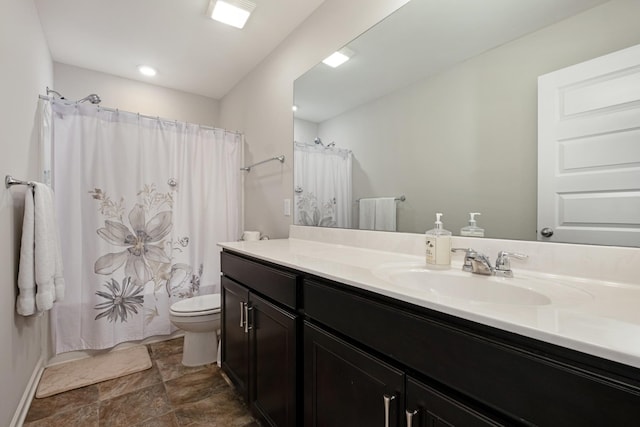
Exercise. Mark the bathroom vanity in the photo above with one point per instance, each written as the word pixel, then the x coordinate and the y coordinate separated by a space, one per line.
pixel 314 335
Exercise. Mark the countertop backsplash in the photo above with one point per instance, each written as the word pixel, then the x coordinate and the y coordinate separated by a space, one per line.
pixel 605 263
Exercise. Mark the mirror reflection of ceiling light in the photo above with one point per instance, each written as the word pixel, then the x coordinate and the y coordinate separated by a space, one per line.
pixel 338 58
pixel 147 71
pixel 231 12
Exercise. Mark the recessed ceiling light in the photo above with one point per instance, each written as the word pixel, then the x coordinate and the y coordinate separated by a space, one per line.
pixel 338 58
pixel 231 12
pixel 147 71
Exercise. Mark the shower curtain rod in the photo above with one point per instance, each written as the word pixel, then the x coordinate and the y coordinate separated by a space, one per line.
pixel 161 119
pixel 279 158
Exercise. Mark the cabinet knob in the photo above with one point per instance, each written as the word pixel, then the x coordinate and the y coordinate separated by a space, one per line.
pixel 387 403
pixel 410 415
pixel 546 232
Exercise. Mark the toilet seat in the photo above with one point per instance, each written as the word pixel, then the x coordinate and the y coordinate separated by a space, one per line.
pixel 197 306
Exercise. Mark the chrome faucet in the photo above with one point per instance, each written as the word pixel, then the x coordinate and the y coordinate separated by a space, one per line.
pixel 503 263
pixel 477 263
pixel 469 254
pixel 481 264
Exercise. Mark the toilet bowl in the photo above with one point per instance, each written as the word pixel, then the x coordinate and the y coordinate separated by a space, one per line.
pixel 199 318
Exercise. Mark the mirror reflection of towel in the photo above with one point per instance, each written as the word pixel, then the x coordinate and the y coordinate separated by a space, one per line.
pixel 367 214
pixel 377 214
pixel 385 214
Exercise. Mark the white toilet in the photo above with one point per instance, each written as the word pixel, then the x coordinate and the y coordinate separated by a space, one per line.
pixel 199 318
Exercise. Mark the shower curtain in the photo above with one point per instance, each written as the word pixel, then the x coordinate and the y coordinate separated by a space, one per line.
pixel 322 186
pixel 141 203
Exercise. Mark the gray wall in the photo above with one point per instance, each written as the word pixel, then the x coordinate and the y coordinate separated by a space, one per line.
pixel 465 140
pixel 135 96
pixel 26 70
pixel 260 105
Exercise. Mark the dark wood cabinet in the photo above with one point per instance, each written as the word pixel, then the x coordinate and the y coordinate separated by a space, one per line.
pixel 273 354
pixel 235 339
pixel 259 342
pixel 308 351
pixel 344 386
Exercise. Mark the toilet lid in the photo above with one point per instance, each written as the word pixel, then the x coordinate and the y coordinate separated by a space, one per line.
pixel 203 303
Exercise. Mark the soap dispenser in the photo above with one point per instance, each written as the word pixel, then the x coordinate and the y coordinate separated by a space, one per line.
pixel 438 251
pixel 472 230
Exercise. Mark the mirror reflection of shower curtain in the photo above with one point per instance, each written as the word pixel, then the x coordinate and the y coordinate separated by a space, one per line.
pixel 323 186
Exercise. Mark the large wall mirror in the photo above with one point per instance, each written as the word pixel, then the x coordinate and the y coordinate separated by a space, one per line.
pixel 437 106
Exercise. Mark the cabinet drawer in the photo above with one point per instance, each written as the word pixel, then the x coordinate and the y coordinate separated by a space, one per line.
pixel 522 385
pixel 276 285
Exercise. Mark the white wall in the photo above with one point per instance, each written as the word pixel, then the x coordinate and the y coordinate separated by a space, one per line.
pixel 26 70
pixel 260 105
pixel 304 131
pixel 465 140
pixel 138 97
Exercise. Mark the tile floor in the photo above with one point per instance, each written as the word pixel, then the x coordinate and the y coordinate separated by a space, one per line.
pixel 167 395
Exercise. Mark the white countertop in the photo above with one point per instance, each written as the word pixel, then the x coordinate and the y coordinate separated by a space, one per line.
pixel 605 324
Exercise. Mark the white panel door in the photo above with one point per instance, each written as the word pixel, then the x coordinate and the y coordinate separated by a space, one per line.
pixel 589 151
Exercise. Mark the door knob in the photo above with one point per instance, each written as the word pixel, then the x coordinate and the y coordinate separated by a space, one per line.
pixel 546 232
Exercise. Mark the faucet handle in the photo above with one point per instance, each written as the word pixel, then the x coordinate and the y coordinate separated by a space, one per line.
pixel 503 263
pixel 469 254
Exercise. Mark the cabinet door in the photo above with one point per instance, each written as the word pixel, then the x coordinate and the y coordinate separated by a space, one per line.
pixel 235 336
pixel 427 407
pixel 273 357
pixel 343 386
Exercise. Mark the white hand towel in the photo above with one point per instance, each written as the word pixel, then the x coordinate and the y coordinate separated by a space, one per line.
pixel 48 260
pixel 26 303
pixel 385 214
pixel 367 214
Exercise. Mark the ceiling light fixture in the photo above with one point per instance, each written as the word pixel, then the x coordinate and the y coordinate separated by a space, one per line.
pixel 147 71
pixel 231 12
pixel 338 58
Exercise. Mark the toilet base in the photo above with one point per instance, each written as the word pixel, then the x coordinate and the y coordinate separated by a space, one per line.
pixel 200 348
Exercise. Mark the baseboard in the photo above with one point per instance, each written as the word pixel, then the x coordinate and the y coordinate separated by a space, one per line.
pixel 29 392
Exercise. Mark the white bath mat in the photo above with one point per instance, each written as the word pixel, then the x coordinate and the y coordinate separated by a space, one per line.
pixel 79 373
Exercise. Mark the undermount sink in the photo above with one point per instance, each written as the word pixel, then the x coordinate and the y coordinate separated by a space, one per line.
pixel 459 285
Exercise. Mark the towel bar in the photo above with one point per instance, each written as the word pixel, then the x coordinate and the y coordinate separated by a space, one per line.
pixel 397 199
pixel 10 181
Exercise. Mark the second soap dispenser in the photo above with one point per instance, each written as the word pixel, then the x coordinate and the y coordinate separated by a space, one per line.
pixel 472 230
pixel 438 245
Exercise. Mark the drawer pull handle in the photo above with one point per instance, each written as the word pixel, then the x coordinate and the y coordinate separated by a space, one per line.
pixel 410 415
pixel 247 309
pixel 249 318
pixel 387 403
pixel 241 314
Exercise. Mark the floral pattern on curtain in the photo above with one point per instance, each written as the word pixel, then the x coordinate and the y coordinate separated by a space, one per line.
pixel 141 205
